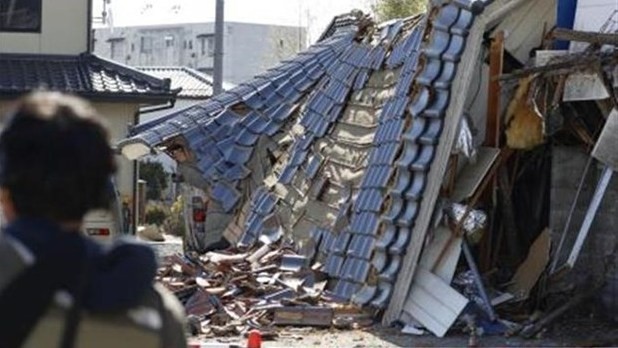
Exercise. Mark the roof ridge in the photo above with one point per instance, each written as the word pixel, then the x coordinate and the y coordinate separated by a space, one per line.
pixel 153 81
pixel 33 56
pixel 199 75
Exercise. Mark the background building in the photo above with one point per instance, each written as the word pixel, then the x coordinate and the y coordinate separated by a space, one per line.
pixel 43 47
pixel 248 48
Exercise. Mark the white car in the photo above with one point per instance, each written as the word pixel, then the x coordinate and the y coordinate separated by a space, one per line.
pixel 104 225
pixel 195 210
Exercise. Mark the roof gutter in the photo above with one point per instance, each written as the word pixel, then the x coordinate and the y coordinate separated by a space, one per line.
pixel 153 108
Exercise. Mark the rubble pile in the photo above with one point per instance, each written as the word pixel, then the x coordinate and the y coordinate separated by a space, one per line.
pixel 372 151
pixel 228 293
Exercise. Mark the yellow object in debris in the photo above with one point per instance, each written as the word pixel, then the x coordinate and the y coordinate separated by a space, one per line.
pixel 525 127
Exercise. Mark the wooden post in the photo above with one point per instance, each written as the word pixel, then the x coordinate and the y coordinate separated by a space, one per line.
pixel 493 133
pixel 496 55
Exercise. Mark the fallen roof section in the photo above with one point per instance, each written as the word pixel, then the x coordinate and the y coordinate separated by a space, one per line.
pixel 353 128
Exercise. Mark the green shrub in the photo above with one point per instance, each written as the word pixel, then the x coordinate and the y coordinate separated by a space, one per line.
pixel 155 216
pixel 175 222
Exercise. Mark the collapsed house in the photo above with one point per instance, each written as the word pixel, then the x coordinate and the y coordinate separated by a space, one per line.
pixel 381 153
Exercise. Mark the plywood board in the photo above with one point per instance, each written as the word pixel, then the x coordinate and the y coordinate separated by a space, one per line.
pixel 442 253
pixel 530 270
pixel 584 86
pixel 433 303
pixel 578 85
pixel 473 173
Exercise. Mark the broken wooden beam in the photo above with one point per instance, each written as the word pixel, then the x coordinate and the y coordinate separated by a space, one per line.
pixel 305 315
pixel 585 36
pixel 571 62
pixel 532 329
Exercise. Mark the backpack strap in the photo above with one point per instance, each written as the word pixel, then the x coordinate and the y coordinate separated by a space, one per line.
pixel 28 297
pixel 73 316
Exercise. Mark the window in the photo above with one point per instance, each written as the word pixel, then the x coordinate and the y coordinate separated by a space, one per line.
pixel 146 44
pixel 169 41
pixel 20 15
pixel 207 44
pixel 116 49
pixel 207 71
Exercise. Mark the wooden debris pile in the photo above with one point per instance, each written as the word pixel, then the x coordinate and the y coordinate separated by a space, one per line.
pixel 229 293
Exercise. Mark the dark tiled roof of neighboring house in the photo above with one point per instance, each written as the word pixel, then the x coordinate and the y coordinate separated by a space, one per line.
pixel 345 22
pixel 193 84
pixel 86 74
pixel 356 120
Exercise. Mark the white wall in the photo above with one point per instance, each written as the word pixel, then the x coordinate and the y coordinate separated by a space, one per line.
pixel 524 28
pixel 64 30
pixel 591 15
pixel 248 49
pixel 117 117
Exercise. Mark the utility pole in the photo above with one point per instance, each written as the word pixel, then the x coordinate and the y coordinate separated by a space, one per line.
pixel 218 59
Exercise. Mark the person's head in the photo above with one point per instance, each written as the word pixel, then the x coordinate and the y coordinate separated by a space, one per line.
pixel 55 159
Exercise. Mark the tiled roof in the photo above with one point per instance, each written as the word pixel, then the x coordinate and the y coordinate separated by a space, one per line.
pixel 193 84
pixel 345 22
pixel 85 74
pixel 372 112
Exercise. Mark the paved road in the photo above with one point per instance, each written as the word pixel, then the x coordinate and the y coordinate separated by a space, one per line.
pixel 172 245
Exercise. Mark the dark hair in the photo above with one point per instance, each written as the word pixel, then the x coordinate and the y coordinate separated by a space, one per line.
pixel 55 157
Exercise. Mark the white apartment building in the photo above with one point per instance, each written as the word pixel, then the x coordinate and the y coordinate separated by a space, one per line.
pixel 248 48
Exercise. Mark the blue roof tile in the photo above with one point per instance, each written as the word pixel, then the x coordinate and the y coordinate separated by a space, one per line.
pixel 226 195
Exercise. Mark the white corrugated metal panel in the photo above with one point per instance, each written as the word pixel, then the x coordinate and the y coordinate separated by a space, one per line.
pixel 433 303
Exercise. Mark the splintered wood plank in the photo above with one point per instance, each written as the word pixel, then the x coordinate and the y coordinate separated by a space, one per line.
pixel 530 270
pixel 472 174
pixel 441 255
pixel 300 316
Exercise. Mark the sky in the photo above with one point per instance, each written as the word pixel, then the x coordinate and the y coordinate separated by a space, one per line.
pixel 313 14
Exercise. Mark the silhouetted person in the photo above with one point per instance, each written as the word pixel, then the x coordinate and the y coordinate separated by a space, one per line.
pixel 57 286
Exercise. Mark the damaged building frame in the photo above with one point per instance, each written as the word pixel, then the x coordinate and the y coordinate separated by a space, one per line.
pixel 385 152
